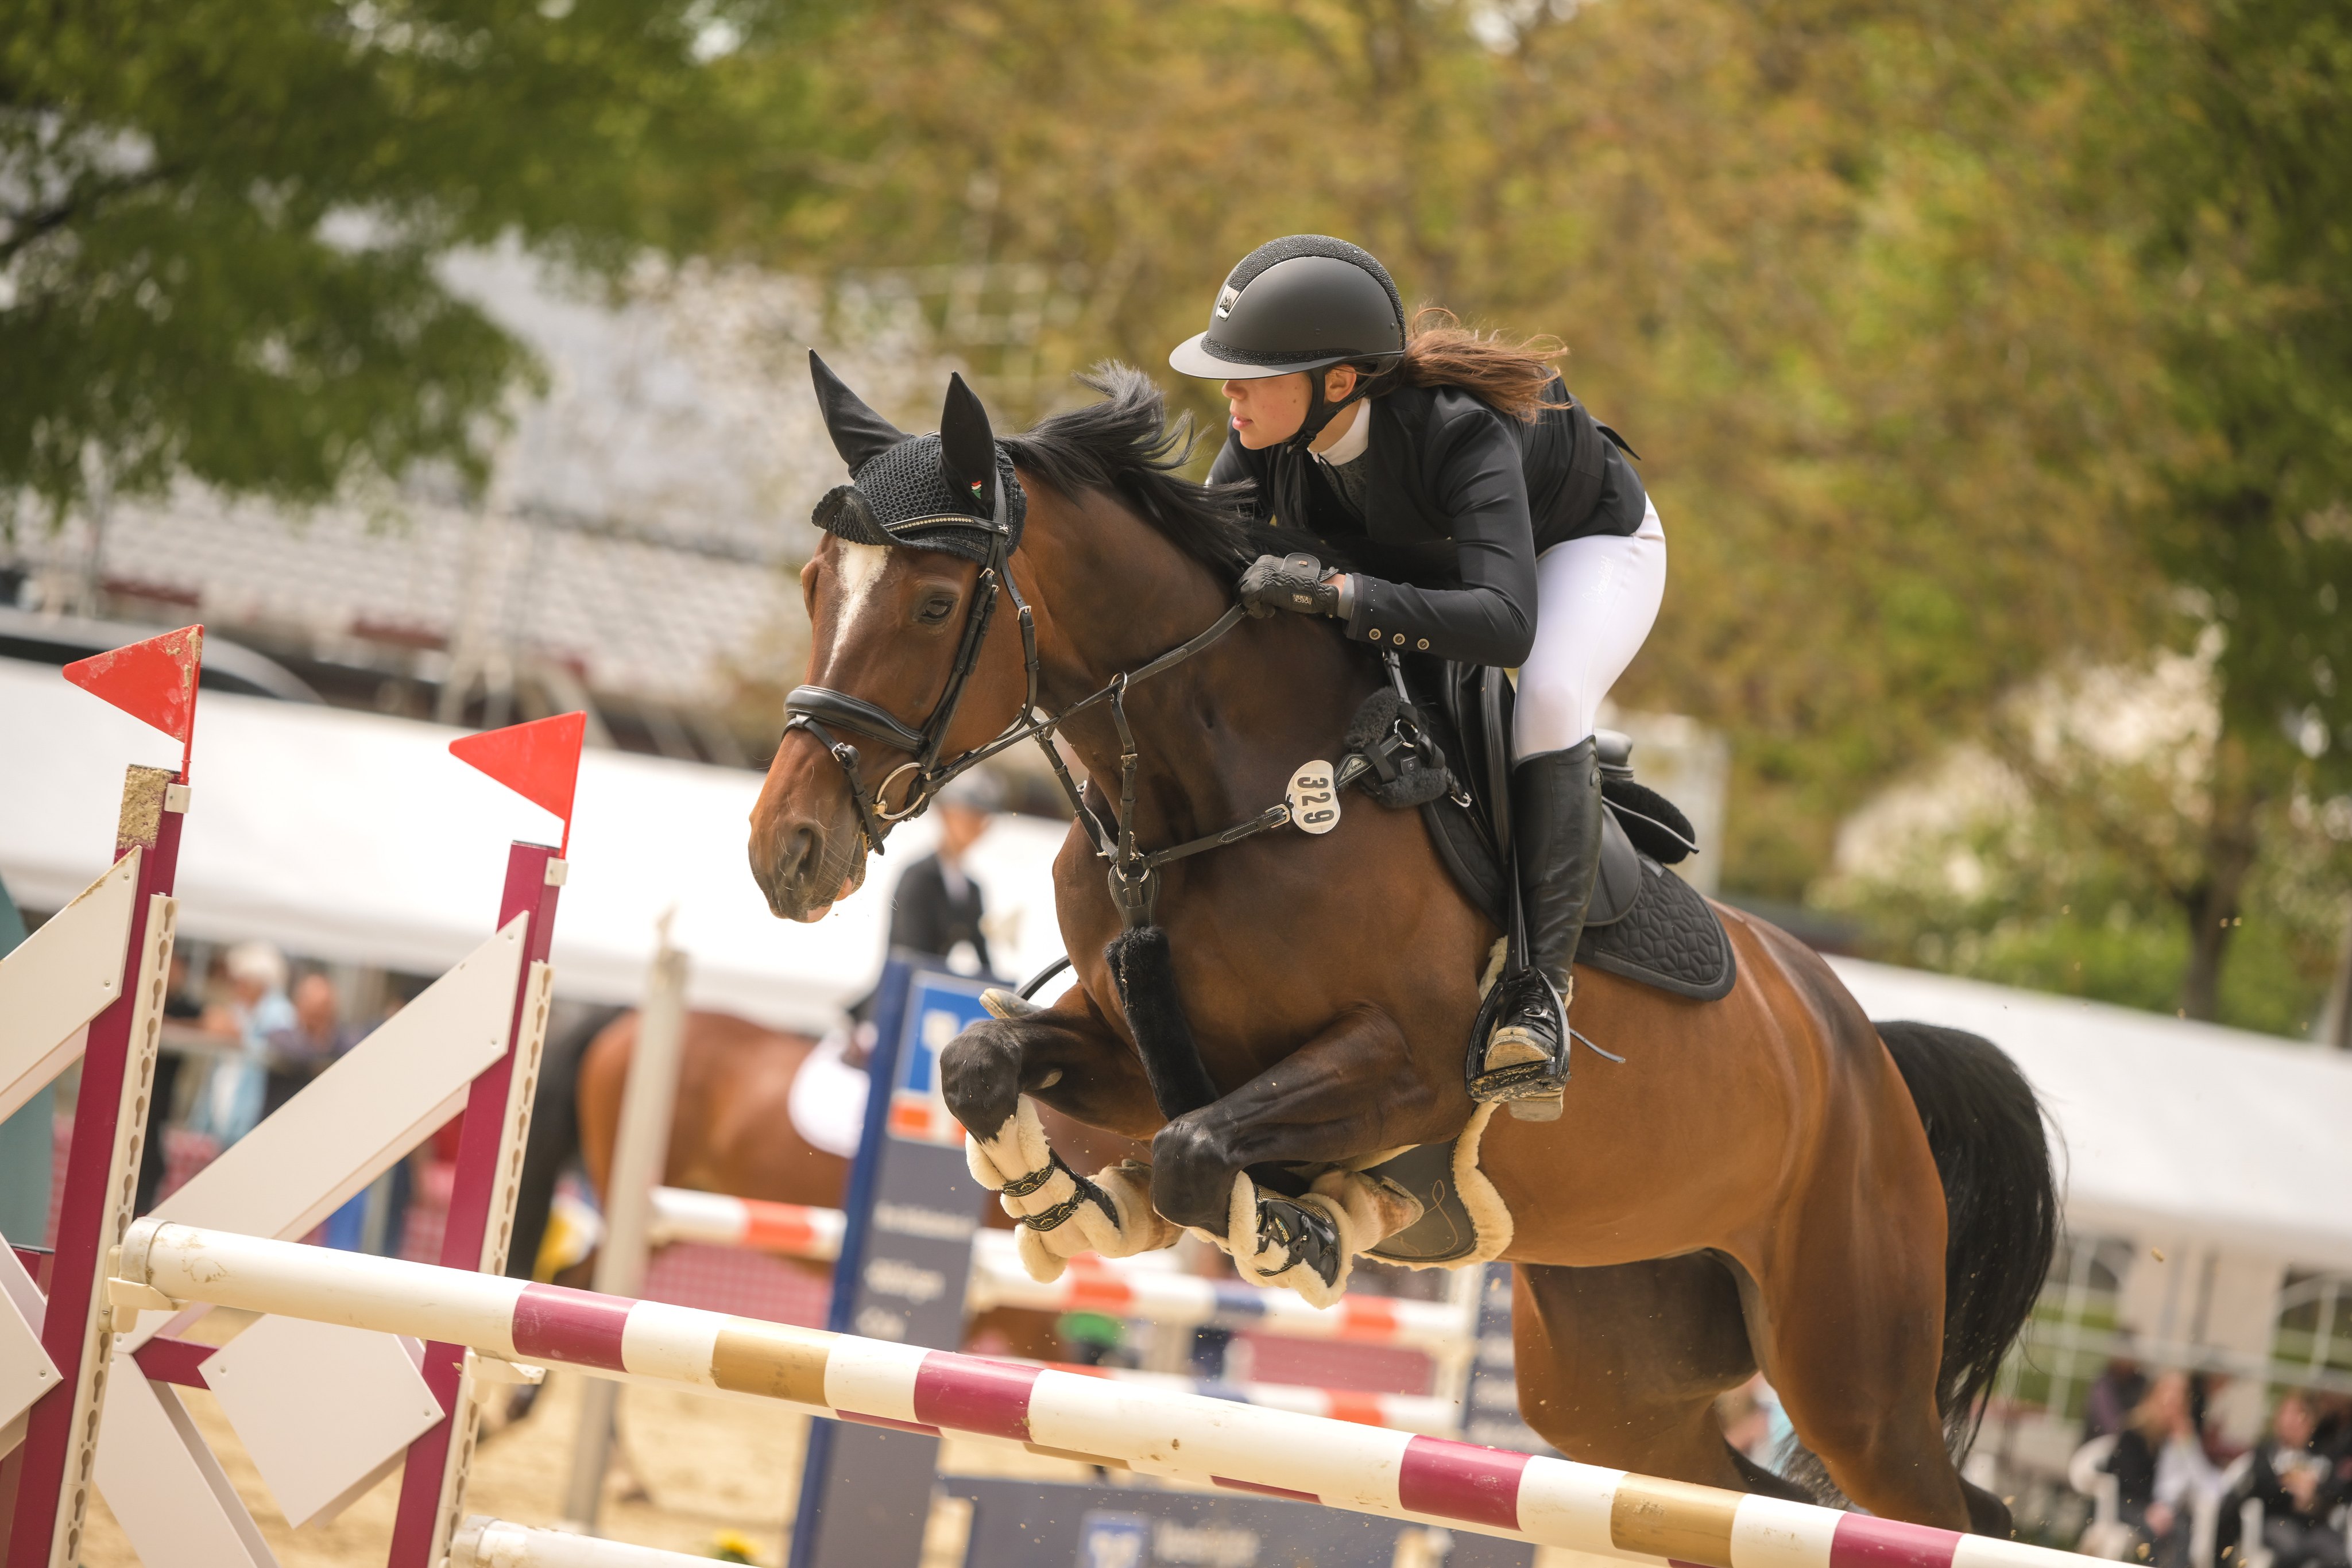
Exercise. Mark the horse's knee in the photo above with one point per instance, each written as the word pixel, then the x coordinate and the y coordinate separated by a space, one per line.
pixel 979 1076
pixel 1192 1173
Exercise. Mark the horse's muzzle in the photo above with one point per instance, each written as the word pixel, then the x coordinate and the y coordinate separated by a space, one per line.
pixel 806 850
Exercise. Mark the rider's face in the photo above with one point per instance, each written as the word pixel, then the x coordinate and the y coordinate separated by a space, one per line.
pixel 1269 410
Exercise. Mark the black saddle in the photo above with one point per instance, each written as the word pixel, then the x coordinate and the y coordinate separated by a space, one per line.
pixel 1644 923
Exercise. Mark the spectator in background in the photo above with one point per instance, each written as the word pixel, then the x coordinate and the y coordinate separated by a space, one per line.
pixel 2299 1490
pixel 937 909
pixel 258 1008
pixel 2161 1471
pixel 307 1046
pixel 2113 1397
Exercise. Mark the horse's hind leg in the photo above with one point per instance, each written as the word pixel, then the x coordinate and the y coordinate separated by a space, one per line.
pixel 1622 1366
pixel 1845 1306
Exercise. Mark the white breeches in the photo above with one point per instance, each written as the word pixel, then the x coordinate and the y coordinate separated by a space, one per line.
pixel 1596 599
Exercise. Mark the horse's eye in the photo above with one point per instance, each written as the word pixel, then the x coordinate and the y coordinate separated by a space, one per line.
pixel 935 610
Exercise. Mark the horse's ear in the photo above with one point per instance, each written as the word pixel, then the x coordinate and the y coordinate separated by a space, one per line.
pixel 967 446
pixel 858 432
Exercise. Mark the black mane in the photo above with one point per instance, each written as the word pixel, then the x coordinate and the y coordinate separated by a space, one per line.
pixel 1125 444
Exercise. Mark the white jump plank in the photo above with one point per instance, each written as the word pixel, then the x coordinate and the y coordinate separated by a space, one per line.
pixel 325 1412
pixel 25 1370
pixel 363 1115
pixel 60 978
pixel 167 1490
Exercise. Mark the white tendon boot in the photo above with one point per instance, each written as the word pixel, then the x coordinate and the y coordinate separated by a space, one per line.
pixel 1309 1243
pixel 1110 1214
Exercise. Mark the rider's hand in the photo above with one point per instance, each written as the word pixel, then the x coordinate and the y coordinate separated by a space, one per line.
pixel 1293 582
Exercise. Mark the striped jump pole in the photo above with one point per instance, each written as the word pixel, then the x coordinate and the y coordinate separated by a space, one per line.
pixel 713 1219
pixel 1102 1285
pixel 1364 1469
pixel 1123 1287
pixel 1398 1412
pixel 481 1541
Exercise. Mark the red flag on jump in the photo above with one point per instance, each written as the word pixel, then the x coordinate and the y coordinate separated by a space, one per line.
pixel 538 761
pixel 155 682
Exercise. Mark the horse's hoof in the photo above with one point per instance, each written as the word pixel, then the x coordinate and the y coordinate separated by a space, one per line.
pixel 1010 1006
pixel 1539 1107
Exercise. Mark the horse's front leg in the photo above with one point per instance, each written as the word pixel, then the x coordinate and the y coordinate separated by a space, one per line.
pixel 1068 1057
pixel 1352 1092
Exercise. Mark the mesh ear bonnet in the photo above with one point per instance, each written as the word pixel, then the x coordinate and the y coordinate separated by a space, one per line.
pixel 902 497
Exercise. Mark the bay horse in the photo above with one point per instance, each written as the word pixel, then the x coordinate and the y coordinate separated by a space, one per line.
pixel 1769 1182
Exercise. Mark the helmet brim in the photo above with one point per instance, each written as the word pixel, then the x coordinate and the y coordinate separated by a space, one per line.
pixel 1192 358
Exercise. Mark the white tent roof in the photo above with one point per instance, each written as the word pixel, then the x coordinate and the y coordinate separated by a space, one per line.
pixel 353 837
pixel 343 835
pixel 2174 1130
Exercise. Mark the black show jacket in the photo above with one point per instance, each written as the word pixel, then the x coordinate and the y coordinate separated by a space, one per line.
pixel 1461 501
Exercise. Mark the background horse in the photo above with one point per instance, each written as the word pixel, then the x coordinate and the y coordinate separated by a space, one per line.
pixel 1768 1181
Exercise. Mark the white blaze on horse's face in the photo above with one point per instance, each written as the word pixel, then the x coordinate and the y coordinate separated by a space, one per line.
pixel 859 569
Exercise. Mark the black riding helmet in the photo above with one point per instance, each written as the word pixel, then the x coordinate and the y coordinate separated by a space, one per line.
pixel 1305 302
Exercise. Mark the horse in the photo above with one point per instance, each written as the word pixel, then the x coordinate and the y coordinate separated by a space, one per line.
pixel 1769 1182
pixel 731 1132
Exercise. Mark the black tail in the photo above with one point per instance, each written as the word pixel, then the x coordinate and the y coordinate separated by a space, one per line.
pixel 2000 1200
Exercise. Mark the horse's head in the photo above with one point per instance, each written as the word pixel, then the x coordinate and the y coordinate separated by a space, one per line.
pixel 900 595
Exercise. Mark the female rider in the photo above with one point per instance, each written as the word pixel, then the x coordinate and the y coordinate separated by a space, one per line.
pixel 1549 556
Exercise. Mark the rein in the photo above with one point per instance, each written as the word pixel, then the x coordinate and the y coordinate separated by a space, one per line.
pixel 1134 873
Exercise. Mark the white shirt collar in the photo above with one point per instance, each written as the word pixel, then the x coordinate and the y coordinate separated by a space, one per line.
pixel 1351 446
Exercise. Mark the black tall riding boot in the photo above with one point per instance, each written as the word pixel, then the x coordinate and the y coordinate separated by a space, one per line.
pixel 1556 839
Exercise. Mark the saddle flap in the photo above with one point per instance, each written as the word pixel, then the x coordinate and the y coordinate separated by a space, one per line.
pixel 1619 882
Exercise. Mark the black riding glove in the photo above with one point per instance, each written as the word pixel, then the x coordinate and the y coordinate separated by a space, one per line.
pixel 1294 582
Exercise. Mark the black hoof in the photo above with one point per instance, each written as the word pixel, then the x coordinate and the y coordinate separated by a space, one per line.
pixel 1192 1175
pixel 979 1076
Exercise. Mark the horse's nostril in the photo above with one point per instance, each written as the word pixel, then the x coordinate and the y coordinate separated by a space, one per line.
pixel 800 854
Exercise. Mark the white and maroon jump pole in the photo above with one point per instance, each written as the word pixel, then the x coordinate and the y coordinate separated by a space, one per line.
pixel 45 1485
pixel 1341 1465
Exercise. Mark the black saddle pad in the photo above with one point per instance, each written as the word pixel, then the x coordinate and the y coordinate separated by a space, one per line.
pixel 1646 923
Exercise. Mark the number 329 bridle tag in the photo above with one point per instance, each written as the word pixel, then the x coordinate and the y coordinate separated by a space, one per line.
pixel 1313 799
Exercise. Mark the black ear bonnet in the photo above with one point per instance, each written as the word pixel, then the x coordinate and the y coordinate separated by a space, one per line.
pixel 926 492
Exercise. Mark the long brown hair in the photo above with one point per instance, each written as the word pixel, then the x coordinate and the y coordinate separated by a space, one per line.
pixel 1510 378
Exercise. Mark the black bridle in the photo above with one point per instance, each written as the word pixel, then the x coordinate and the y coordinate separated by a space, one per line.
pixel 1134 873
pixel 822 710
pixel 815 709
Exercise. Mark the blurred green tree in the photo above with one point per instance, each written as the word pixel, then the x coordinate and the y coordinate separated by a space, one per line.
pixel 2230 124
pixel 218 222
pixel 1811 255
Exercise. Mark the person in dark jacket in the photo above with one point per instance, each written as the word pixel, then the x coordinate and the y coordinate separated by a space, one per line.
pixel 2161 1471
pixel 1519 535
pixel 937 909
pixel 2300 1491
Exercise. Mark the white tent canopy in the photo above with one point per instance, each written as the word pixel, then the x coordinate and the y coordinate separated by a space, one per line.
pixel 2174 1130
pixel 351 837
pixel 347 836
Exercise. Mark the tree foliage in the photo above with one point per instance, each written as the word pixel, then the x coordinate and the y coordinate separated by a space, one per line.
pixel 218 222
pixel 1963 344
